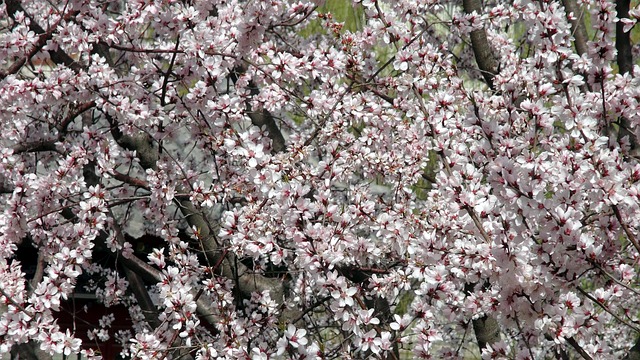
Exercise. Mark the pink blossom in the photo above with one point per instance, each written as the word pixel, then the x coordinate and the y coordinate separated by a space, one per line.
pixel 276 179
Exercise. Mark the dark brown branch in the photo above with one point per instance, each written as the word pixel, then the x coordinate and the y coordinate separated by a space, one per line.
pixel 29 351
pixel 247 282
pixel 625 65
pixel 481 49
pixel 133 265
pixel 142 144
pixel 577 25
pixel 574 344
pixel 262 117
pixel 606 309
pixel 634 352
pixel 626 229
pixel 74 113
pixel 130 180
pixel 35 146
pixel 165 82
pixel 487 331
pixel 57 56
pixel 37 277
pixel 50 144
pixel 147 272
pixel 141 50
pixel 151 275
pixel 17 65
pixel 6 188
pixel 136 283
pixel 623 39
pixel 486 328
pixel 380 305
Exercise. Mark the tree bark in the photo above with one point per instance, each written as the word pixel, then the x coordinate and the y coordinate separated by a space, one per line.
pixel 487 331
pixel 577 25
pixel 634 352
pixel 263 117
pixel 246 281
pixel 625 65
pixel 481 48
pixel 58 56
pixel 485 328
pixel 29 351
pixel 623 39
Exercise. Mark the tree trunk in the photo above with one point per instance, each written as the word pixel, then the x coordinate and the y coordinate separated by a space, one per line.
pixel 487 331
pixel 29 351
pixel 481 49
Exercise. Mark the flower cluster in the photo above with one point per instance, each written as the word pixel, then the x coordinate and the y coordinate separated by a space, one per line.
pixel 310 179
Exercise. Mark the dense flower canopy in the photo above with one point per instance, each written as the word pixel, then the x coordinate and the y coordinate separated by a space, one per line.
pixel 419 179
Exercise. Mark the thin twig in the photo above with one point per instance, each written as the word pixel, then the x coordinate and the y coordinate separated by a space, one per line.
pixel 571 341
pixel 604 307
pixel 626 229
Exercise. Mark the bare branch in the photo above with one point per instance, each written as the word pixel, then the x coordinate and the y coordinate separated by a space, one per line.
pixel 136 283
pixel 482 50
pixel 487 331
pixel 58 56
pixel 574 344
pixel 634 352
pixel 6 188
pixel 37 277
pixel 142 50
pixel 35 146
pixel 246 281
pixel 130 180
pixel 626 229
pixel 29 351
pixel 262 117
pixel 577 25
pixel 606 309
pixel 623 39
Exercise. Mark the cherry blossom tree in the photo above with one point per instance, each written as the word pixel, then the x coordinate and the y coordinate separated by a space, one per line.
pixel 429 179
